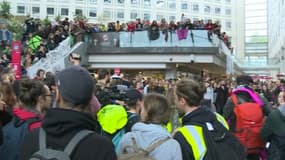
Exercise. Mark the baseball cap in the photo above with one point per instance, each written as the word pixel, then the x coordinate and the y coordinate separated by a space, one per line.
pixel 133 94
pixel 75 85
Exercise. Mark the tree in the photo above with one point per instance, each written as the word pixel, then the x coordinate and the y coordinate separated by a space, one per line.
pixel 5 9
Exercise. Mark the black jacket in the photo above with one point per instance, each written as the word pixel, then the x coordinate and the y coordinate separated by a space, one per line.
pixel 60 126
pixel 200 115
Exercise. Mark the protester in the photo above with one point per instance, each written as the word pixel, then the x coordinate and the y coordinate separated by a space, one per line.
pixel 273 131
pixel 70 117
pixel 155 113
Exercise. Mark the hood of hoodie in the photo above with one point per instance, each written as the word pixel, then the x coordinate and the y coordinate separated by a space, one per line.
pixel 282 110
pixel 199 115
pixel 147 134
pixel 24 114
pixel 59 122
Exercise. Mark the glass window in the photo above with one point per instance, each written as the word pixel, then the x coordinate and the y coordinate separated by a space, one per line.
pixel 78 12
pixel 134 2
pixel 172 4
pixel 207 9
pixel 228 12
pixel 92 13
pixel 159 17
pixel 36 10
pixel 195 7
pixel 50 11
pixel 107 14
pixel 120 14
pixel 184 5
pixel 121 2
pixel 107 1
pixel 228 1
pixel 228 25
pixel 160 3
pixel 134 15
pixel 172 18
pixel 147 3
pixel 64 11
pixel 217 10
pixel 92 1
pixel 21 9
pixel 146 16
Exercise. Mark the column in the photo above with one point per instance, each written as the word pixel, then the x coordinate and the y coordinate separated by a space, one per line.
pixel 171 71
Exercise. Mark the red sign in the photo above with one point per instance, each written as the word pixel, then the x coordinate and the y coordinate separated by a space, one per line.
pixel 16 58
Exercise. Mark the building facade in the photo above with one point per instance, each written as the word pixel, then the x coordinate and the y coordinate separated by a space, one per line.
pixel 276 30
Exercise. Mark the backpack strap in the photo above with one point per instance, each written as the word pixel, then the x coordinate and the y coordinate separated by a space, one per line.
pixel 155 145
pixel 234 99
pixel 42 139
pixel 75 141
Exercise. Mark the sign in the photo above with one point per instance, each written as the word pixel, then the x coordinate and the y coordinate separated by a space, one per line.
pixel 16 58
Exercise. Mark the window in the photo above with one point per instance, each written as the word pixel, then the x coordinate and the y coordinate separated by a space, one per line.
pixel 146 16
pixel 147 3
pixel 92 13
pixel 21 9
pixel 159 17
pixel 228 25
pixel 50 11
pixel 228 12
pixel 64 11
pixel 207 9
pixel 228 1
pixel 160 3
pixel 107 1
pixel 134 15
pixel 217 10
pixel 107 14
pixel 134 2
pixel 79 12
pixel 195 7
pixel 172 18
pixel 36 10
pixel 121 2
pixel 93 1
pixel 120 14
pixel 172 4
pixel 184 5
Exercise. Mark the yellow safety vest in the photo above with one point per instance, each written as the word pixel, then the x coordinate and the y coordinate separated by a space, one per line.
pixel 194 136
pixel 222 120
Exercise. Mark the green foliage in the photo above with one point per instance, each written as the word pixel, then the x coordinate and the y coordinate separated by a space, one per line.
pixel 80 17
pixel 5 9
pixel 46 21
pixel 16 28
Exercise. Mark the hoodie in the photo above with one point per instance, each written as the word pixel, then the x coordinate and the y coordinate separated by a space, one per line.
pixel 148 134
pixel 61 125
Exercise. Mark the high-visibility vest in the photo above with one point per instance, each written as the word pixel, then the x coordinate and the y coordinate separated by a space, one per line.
pixel 222 120
pixel 194 136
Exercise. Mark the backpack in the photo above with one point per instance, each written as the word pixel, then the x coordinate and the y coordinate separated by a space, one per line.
pixel 14 133
pixel 249 121
pixel 139 153
pixel 46 153
pixel 220 143
pixel 113 119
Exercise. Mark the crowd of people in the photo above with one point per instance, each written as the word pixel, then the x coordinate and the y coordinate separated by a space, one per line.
pixel 39 37
pixel 113 116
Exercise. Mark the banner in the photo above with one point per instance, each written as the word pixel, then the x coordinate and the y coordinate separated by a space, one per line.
pixel 16 58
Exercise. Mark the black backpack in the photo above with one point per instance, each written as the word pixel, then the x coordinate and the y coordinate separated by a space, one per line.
pixel 221 144
pixel 46 153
